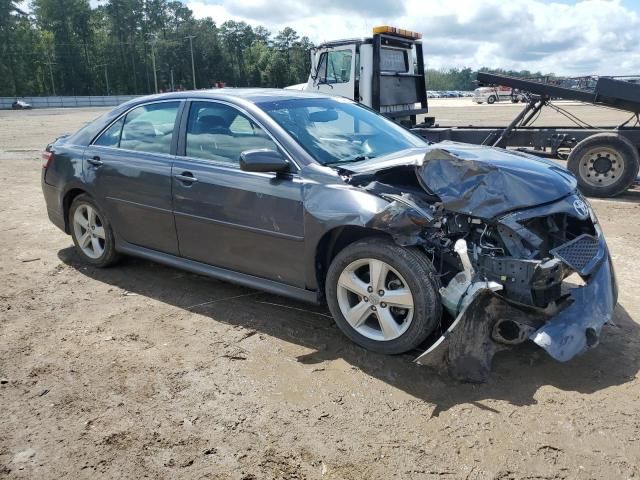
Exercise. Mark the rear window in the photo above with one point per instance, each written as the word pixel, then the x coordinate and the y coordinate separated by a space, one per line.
pixel 149 128
pixel 111 136
pixel 393 60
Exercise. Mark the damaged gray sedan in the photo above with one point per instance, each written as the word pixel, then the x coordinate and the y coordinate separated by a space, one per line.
pixel 459 250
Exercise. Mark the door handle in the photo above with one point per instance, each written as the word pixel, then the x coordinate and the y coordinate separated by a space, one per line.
pixel 186 177
pixel 95 161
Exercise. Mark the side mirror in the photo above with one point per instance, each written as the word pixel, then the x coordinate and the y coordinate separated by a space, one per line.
pixel 263 160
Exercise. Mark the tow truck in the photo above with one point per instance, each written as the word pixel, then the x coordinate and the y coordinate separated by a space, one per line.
pixel 386 73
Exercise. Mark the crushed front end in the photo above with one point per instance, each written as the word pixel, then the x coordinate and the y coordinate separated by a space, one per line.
pixel 542 274
pixel 520 253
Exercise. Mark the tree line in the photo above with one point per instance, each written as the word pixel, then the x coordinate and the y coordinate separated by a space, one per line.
pixel 74 49
pixel 66 47
pixel 464 78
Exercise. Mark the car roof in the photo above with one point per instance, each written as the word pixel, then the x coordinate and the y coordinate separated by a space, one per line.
pixel 253 95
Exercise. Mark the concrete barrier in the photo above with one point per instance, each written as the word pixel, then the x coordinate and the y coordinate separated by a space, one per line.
pixel 67 101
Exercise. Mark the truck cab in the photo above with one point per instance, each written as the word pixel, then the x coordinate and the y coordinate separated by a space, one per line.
pixel 384 72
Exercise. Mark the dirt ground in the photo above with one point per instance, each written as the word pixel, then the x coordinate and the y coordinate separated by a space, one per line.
pixel 144 371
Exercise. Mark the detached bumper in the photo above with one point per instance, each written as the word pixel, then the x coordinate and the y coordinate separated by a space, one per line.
pixel 577 327
pixel 467 347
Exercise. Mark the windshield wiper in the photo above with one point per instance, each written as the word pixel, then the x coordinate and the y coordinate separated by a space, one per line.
pixel 359 158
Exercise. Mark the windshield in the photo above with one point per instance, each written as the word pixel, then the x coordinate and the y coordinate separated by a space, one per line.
pixel 335 131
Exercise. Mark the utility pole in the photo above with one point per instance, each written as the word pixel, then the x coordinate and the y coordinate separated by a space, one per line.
pixel 193 68
pixel 153 58
pixel 173 88
pixel 106 75
pixel 50 63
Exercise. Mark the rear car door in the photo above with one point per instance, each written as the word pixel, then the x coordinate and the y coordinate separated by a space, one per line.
pixel 243 221
pixel 129 167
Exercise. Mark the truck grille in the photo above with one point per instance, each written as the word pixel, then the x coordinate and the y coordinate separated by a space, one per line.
pixel 578 252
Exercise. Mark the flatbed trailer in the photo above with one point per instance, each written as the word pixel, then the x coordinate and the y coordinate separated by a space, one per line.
pixel 605 160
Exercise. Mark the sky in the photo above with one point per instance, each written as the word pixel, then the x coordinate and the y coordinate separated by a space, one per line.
pixel 564 37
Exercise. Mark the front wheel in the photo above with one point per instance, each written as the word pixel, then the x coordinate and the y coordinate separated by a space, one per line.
pixel 491 100
pixel 91 232
pixel 382 296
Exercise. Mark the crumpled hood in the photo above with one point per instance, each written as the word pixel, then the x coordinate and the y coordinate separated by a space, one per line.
pixel 480 181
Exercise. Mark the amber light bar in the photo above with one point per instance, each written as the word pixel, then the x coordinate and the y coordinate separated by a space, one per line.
pixel 397 31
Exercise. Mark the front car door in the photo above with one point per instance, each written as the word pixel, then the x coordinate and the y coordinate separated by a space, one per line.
pixel 129 167
pixel 242 221
pixel 336 72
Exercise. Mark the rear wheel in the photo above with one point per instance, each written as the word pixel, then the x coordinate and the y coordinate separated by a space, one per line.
pixel 491 100
pixel 605 164
pixel 91 232
pixel 382 296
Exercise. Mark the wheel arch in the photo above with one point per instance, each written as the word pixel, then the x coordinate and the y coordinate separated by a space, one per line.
pixel 67 200
pixel 333 242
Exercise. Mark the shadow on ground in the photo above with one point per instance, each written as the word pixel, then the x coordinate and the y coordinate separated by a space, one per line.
pixel 517 373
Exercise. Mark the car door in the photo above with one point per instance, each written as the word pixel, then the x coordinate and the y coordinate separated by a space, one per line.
pixel 336 72
pixel 129 167
pixel 242 221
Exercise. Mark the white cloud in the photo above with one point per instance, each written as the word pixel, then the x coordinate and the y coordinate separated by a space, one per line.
pixel 588 37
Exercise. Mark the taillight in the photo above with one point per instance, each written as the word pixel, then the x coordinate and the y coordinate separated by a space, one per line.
pixel 47 158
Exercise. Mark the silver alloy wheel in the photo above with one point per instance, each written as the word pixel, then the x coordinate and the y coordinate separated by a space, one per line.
pixel 89 231
pixel 601 166
pixel 375 300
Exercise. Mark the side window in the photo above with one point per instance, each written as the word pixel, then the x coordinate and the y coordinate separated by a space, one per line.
pixel 149 128
pixel 321 75
pixel 221 133
pixel 111 136
pixel 335 66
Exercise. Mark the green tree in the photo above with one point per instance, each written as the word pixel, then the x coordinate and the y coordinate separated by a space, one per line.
pixel 68 21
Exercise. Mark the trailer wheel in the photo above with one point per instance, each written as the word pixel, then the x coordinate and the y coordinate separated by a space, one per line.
pixel 491 100
pixel 605 164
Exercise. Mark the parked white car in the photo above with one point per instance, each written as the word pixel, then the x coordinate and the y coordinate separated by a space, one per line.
pixel 492 95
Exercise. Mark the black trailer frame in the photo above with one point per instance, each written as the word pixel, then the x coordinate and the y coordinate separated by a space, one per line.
pixel 519 133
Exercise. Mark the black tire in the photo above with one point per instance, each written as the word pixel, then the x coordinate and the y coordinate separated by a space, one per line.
pixel 627 152
pixel 109 256
pixel 491 100
pixel 421 279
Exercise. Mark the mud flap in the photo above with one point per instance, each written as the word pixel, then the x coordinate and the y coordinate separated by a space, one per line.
pixel 466 348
